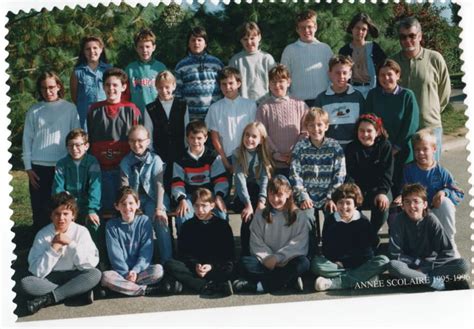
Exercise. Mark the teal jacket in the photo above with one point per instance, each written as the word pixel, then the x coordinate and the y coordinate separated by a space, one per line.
pixel 83 182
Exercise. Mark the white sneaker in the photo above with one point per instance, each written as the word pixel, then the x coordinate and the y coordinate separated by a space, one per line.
pixel 322 284
pixel 437 283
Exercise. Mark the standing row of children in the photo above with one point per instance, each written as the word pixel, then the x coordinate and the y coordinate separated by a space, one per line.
pixel 297 147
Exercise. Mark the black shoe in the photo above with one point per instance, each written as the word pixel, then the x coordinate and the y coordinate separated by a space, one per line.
pixel 209 289
pixel 100 292
pixel 89 297
pixel 165 287
pixel 36 304
pixel 241 285
pixel 226 288
pixel 299 284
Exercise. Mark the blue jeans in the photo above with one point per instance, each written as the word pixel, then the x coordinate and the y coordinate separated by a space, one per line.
pixel 110 187
pixel 278 277
pixel 162 231
pixel 179 220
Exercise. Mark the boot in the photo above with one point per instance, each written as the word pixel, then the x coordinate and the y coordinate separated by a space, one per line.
pixel 36 304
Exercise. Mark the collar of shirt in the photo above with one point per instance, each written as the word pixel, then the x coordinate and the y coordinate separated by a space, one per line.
pixel 348 91
pixel 196 157
pixel 397 91
pixel 232 101
pixel 305 44
pixel 355 217
pixel 281 99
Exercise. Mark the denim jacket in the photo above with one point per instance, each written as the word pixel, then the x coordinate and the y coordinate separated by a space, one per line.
pixel 148 176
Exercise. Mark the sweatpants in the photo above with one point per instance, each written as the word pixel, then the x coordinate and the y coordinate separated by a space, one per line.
pixel 116 282
pixel 63 284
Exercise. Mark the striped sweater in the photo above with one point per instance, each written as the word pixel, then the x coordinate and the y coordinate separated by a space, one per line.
pixel 190 173
pixel 316 172
pixel 196 82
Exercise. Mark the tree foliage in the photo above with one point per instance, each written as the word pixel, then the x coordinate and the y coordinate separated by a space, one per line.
pixel 49 39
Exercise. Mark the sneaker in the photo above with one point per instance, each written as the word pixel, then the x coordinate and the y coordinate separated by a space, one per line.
pixel 299 284
pixel 241 285
pixel 437 283
pixel 322 284
pixel 38 303
pixel 165 287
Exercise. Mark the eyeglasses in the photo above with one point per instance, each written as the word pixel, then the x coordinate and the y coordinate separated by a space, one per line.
pixel 73 145
pixel 411 36
pixel 49 88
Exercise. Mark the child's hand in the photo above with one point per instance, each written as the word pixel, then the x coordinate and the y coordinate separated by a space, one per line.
pixel 201 270
pixel 61 238
pixel 261 205
pixel 94 218
pixel 330 206
pixel 397 201
pixel 161 215
pixel 33 178
pixel 221 204
pixel 182 208
pixel 438 198
pixel 247 213
pixel 205 268
pixel 306 204
pixel 270 262
pixel 381 201
pixel 132 276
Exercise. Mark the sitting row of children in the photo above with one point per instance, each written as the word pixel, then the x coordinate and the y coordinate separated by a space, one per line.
pixel 63 258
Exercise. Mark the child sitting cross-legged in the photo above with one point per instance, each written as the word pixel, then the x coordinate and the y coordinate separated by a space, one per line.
pixel 130 249
pixel 205 249
pixel 279 236
pixel 419 247
pixel 347 245
pixel 62 259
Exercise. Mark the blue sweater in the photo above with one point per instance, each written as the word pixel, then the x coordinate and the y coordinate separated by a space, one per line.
pixel 129 246
pixel 434 180
pixel 196 82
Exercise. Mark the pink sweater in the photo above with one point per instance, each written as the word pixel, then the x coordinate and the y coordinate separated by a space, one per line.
pixel 283 119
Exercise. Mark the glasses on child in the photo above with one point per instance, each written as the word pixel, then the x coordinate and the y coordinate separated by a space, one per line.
pixel 411 36
pixel 73 145
pixel 49 88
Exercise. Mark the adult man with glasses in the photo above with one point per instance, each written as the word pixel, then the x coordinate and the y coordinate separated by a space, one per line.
pixel 425 72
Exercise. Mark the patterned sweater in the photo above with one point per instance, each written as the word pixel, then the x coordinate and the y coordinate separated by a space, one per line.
pixel 316 172
pixel 196 82
pixel 190 173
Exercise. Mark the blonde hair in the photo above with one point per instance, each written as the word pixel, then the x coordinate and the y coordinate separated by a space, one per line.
pixel 166 76
pixel 138 128
pixel 425 134
pixel 314 114
pixel 263 151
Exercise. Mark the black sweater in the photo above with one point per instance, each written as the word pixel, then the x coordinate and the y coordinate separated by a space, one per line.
pixel 349 243
pixel 371 168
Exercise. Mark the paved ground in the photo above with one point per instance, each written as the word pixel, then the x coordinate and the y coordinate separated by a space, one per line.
pixel 454 158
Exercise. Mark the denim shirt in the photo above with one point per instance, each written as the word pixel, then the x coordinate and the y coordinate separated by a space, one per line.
pixel 89 87
pixel 147 176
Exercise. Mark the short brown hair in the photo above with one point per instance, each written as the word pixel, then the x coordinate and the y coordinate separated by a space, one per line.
pixel 315 113
pixel 49 75
pixel 116 72
pixel 75 133
pixel 416 189
pixel 340 59
pixel 278 72
pixel 198 32
pixel 248 28
pixel 196 127
pixel 202 194
pixel 305 15
pixel 390 63
pixel 144 34
pixel 64 199
pixel 228 72
pixel 348 191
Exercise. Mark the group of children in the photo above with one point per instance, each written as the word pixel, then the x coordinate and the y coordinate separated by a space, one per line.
pixel 289 156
